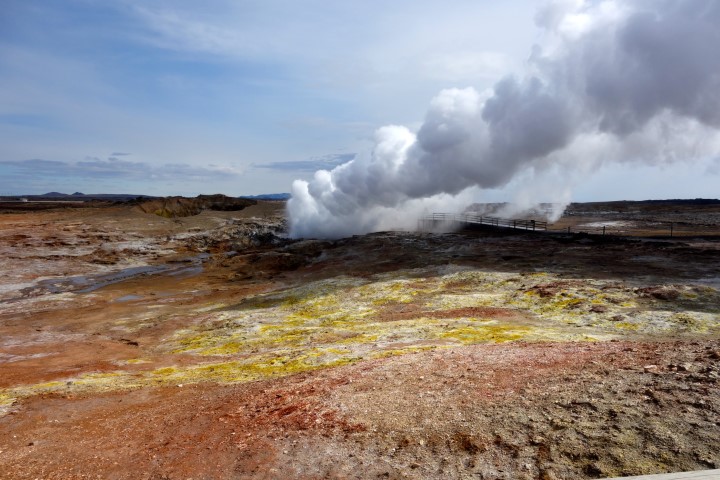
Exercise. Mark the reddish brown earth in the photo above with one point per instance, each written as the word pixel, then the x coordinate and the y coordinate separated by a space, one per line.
pixel 639 403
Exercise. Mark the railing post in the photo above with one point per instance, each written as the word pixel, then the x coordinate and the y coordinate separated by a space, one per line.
pixel 428 221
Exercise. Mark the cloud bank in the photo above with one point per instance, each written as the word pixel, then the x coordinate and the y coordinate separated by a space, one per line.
pixel 631 81
pixel 310 165
pixel 94 171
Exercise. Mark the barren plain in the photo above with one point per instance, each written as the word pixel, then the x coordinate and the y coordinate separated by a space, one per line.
pixel 134 346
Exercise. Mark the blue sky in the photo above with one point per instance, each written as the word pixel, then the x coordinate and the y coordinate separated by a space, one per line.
pixel 230 96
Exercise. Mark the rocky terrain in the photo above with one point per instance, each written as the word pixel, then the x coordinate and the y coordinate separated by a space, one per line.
pixel 173 207
pixel 133 345
pixel 654 217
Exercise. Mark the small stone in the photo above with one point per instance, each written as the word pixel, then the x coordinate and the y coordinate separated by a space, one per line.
pixel 650 368
pixel 593 469
pixel 686 367
pixel 548 475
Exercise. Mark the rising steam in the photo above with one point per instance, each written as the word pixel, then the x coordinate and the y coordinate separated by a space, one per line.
pixel 617 81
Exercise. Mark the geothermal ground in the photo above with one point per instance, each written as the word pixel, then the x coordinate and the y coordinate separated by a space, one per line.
pixel 134 346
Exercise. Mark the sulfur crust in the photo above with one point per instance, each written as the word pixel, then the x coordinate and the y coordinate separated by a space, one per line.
pixel 345 320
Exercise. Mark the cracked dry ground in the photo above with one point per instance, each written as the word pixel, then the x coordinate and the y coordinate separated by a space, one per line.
pixel 474 355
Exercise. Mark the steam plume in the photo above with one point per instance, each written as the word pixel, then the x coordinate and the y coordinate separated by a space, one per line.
pixel 635 81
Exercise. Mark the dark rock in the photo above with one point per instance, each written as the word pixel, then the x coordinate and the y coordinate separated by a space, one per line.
pixel 173 207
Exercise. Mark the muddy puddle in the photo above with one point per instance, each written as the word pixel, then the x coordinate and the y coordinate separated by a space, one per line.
pixel 128 298
pixel 184 268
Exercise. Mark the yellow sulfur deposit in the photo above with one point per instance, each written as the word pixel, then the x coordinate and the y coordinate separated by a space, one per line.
pixel 344 320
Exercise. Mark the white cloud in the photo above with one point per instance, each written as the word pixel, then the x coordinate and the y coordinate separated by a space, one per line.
pixel 468 67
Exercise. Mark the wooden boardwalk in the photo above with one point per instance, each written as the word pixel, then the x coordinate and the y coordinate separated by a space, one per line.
pixel 699 475
pixel 429 221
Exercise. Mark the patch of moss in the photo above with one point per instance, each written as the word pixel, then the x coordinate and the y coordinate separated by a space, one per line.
pixel 136 361
pixel 6 400
pixel 567 303
pixel 360 338
pixel 229 348
pixel 485 333
pixel 393 352
pixel 259 367
pixel 48 386
pixel 687 321
pixel 627 326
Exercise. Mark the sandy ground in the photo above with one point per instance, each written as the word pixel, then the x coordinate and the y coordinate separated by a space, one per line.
pixel 135 346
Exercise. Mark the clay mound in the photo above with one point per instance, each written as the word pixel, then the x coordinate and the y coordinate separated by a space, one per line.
pixel 173 207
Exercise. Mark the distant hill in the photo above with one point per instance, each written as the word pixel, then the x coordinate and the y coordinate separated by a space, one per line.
pixel 172 207
pixel 124 197
pixel 108 197
pixel 268 196
pixel 50 194
pixel 681 201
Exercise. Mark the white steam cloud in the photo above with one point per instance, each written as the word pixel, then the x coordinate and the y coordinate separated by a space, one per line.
pixel 629 81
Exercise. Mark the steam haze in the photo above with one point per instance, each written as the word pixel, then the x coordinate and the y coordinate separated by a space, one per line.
pixel 635 81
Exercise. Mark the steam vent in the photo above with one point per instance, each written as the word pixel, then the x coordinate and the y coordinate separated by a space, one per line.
pixel 352 240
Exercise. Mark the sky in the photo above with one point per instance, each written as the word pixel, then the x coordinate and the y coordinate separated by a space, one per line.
pixel 180 97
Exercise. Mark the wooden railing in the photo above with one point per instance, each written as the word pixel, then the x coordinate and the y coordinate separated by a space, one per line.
pixel 640 228
pixel 476 219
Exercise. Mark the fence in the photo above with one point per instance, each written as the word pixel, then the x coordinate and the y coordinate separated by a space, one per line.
pixel 641 229
pixel 476 219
